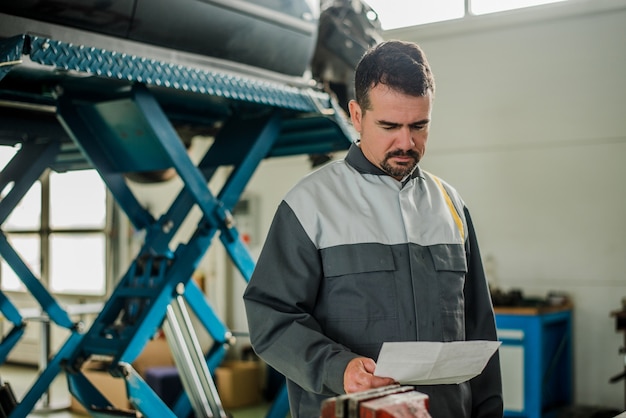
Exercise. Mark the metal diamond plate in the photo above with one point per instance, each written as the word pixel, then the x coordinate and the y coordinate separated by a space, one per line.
pixel 122 66
pixel 10 54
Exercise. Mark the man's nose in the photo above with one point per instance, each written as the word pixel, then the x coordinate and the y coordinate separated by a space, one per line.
pixel 405 138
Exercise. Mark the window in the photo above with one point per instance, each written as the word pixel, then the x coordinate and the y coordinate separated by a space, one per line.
pixel 77 238
pixel 400 13
pixel 395 14
pixel 479 7
pixel 59 231
pixel 28 247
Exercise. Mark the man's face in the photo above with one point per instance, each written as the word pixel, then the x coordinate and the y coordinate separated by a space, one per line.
pixel 394 130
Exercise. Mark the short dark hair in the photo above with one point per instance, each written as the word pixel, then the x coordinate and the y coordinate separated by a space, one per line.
pixel 400 65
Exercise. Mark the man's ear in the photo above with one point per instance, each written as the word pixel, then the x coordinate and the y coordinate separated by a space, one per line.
pixel 355 114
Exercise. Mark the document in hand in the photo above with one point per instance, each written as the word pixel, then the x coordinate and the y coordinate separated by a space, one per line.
pixel 434 363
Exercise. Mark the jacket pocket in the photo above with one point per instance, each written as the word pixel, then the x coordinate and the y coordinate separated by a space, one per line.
pixel 357 304
pixel 354 259
pixel 451 268
pixel 449 257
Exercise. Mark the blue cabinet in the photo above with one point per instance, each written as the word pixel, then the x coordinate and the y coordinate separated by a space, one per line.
pixel 536 359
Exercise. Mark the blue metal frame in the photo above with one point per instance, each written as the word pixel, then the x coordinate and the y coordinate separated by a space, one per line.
pixel 116 109
pixel 125 67
pixel 142 296
pixel 22 172
pixel 11 313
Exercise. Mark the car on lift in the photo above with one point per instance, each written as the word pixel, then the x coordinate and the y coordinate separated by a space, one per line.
pixel 322 40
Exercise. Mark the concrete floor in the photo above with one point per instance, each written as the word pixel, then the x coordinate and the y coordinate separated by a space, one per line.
pixel 21 378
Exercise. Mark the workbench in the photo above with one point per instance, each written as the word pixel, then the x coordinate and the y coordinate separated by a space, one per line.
pixel 536 359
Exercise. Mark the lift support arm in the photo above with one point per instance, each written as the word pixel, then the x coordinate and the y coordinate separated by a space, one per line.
pixel 120 115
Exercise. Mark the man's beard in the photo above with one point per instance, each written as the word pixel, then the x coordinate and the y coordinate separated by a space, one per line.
pixel 400 170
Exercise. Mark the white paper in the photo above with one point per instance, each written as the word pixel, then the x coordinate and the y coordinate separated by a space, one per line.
pixel 434 363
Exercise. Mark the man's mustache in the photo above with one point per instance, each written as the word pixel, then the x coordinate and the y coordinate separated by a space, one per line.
pixel 401 153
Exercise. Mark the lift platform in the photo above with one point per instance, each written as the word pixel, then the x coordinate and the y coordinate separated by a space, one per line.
pixel 77 106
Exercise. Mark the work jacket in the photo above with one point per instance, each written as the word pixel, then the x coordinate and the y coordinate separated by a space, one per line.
pixel 354 258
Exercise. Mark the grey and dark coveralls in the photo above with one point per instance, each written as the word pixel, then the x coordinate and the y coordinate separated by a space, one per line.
pixel 354 258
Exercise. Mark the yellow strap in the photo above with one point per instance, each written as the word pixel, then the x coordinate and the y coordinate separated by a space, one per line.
pixel 455 215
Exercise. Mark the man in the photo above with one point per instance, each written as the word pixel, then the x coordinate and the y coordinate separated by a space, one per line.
pixel 372 249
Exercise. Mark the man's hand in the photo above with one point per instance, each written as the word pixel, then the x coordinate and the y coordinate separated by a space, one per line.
pixel 359 376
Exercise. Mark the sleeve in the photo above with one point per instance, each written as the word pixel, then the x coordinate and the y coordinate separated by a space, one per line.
pixel 279 301
pixel 480 324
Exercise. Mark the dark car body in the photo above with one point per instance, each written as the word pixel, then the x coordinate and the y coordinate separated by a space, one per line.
pixel 283 36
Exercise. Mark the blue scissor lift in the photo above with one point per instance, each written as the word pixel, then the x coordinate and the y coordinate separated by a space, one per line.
pixel 118 112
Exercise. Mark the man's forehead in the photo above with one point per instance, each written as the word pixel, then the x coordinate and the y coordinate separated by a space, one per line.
pixel 391 106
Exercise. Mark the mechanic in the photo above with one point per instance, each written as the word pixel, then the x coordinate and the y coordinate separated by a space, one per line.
pixel 370 249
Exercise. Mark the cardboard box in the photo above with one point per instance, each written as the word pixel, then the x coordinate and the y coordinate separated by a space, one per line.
pixel 239 383
pixel 156 353
pixel 112 388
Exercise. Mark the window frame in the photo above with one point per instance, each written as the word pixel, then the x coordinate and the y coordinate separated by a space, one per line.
pixel 45 231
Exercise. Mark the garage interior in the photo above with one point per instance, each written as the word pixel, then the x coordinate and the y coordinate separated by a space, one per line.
pixel 528 124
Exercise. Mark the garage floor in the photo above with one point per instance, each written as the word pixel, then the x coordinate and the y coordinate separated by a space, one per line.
pixel 22 377
pixel 588 412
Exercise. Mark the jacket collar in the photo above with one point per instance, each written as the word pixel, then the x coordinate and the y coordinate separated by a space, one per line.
pixel 357 160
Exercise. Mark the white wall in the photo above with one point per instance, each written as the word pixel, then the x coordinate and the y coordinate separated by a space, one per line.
pixel 529 125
